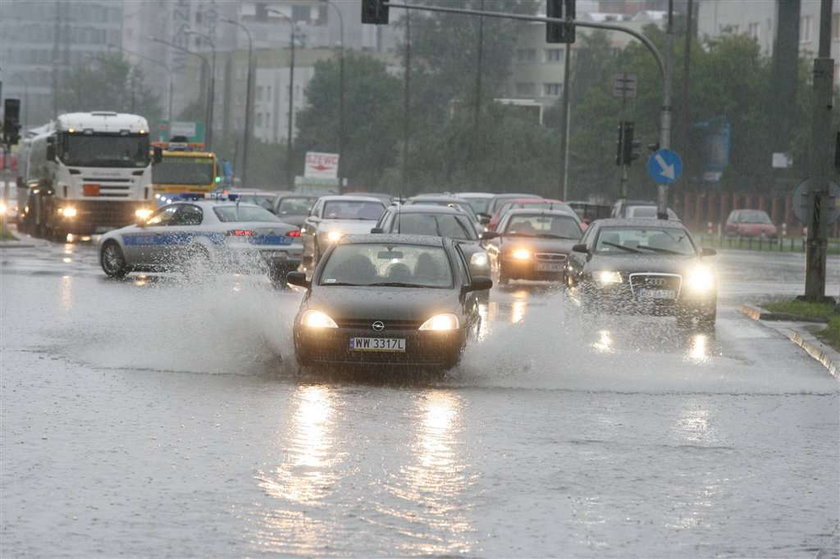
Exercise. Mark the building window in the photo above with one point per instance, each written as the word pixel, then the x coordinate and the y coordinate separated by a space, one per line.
pixel 526 55
pixel 805 29
pixel 526 89
pixel 259 120
pixel 553 55
pixel 552 89
pixel 753 31
pixel 835 27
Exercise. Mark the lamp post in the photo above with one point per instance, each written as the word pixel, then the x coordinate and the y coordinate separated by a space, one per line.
pixel 156 63
pixel 249 100
pixel 290 179
pixel 204 64
pixel 212 101
pixel 340 91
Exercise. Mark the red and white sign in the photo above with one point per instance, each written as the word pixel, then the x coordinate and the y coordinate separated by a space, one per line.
pixel 321 165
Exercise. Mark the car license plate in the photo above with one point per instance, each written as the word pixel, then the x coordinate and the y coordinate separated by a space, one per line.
pixel 377 344
pixel 657 294
pixel 550 266
pixel 275 254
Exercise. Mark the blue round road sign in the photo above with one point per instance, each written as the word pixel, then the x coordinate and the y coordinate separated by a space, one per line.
pixel 664 166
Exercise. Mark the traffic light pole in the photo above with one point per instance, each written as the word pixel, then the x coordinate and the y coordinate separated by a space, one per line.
pixel 664 71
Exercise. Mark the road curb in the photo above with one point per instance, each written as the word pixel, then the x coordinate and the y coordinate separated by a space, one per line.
pixel 757 313
pixel 15 244
pixel 824 354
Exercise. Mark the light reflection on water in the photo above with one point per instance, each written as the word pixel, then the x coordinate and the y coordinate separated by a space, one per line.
pixel 66 293
pixel 304 479
pixel 698 350
pixel 432 485
pixel 605 343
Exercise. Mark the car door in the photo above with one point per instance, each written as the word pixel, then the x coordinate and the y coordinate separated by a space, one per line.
pixel 309 231
pixel 146 244
pixel 185 228
pixel 577 260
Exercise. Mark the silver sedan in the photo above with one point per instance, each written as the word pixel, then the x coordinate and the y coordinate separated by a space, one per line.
pixel 228 235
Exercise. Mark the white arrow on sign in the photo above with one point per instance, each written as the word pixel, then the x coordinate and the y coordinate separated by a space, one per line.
pixel 667 170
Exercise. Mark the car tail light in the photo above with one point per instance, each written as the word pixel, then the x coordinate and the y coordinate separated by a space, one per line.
pixel 295 233
pixel 241 233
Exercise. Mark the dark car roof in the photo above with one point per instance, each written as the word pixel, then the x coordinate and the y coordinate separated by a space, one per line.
pixel 640 222
pixel 389 238
pixel 437 197
pixel 425 208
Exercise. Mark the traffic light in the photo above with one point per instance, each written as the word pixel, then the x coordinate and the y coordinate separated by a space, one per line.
pixel 560 32
pixel 11 121
pixel 627 149
pixel 374 11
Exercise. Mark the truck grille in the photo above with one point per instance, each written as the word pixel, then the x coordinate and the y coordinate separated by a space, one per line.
pixel 107 213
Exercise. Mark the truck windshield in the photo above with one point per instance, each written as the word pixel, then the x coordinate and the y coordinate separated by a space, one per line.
pixel 183 170
pixel 105 150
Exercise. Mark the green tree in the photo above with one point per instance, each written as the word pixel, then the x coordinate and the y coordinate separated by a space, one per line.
pixel 109 83
pixel 373 111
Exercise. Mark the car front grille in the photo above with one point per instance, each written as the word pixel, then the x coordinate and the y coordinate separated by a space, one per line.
pixel 656 281
pixel 550 257
pixel 389 325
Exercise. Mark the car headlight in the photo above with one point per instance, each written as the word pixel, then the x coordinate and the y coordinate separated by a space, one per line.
pixel 334 236
pixel 479 260
pixel 142 214
pixel 521 254
pixel 3 208
pixel 68 211
pixel 700 279
pixel 607 277
pixel 441 323
pixel 317 319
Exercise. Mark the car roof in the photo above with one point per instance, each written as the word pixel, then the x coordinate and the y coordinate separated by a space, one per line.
pixel 425 208
pixel 449 197
pixel 639 222
pixel 516 195
pixel 215 203
pixel 534 200
pixel 389 238
pixel 537 211
pixel 350 198
pixel 474 194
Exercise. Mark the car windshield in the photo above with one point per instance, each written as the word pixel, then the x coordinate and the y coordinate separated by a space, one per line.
pixel 647 212
pixel 262 200
pixel 438 225
pixel 654 240
pixel 237 212
pixel 396 265
pixel 548 226
pixel 105 150
pixel 184 170
pixel 755 217
pixel 478 205
pixel 295 206
pixel 353 209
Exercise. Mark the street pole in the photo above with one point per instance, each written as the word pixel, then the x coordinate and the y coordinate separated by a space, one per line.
pixel 406 105
pixel 341 130
pixel 665 116
pixel 249 101
pixel 564 123
pixel 212 95
pixel 290 176
pixel 686 115
pixel 820 164
pixel 479 68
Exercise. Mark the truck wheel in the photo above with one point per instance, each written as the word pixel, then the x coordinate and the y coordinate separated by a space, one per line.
pixel 112 260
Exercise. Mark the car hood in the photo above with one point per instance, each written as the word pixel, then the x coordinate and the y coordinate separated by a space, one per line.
pixel 382 303
pixel 635 263
pixel 348 226
pixel 539 245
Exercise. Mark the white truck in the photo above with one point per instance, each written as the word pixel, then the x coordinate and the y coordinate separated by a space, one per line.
pixel 87 173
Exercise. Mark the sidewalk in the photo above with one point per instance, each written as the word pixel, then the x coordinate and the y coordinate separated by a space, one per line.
pixel 799 332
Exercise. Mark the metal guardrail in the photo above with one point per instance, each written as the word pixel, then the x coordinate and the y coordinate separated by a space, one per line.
pixel 780 244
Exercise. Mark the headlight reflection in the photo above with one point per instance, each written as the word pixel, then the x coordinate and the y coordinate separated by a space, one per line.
pixel 605 342
pixel 698 351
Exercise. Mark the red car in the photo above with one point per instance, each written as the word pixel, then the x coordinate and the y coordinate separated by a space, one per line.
pixel 750 223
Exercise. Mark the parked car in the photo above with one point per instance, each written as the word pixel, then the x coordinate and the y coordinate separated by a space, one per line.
pixel 438 221
pixel 644 266
pixel 333 217
pixel 532 244
pixel 387 300
pixel 228 235
pixel 293 208
pixel 750 223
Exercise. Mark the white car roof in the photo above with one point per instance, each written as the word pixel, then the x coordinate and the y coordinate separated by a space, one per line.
pixel 350 198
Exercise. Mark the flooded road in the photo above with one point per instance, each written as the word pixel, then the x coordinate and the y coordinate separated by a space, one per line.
pixel 160 417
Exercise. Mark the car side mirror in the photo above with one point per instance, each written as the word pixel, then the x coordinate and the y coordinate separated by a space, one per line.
pixel 51 148
pixel 580 248
pixel 377 230
pixel 157 155
pixel 479 283
pixel 707 252
pixel 298 279
pixel 487 235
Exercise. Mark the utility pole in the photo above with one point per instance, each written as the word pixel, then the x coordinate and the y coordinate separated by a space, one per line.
pixel 406 105
pixel 249 101
pixel 290 175
pixel 665 117
pixel 564 122
pixel 686 114
pixel 821 161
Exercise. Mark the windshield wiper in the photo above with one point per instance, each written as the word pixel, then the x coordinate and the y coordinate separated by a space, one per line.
pixel 660 250
pixel 622 247
pixel 550 236
pixel 342 284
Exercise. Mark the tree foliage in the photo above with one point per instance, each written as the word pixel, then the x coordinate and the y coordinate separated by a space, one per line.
pixel 108 83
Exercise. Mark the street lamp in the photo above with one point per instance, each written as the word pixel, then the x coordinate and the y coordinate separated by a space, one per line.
pixel 156 63
pixel 212 102
pixel 289 173
pixel 204 64
pixel 340 92
pixel 249 100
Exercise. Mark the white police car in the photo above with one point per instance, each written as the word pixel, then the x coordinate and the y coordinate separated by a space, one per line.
pixel 223 234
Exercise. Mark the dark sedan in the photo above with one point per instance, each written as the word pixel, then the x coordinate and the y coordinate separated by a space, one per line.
pixel 383 300
pixel 645 266
pixel 293 208
pixel 532 244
